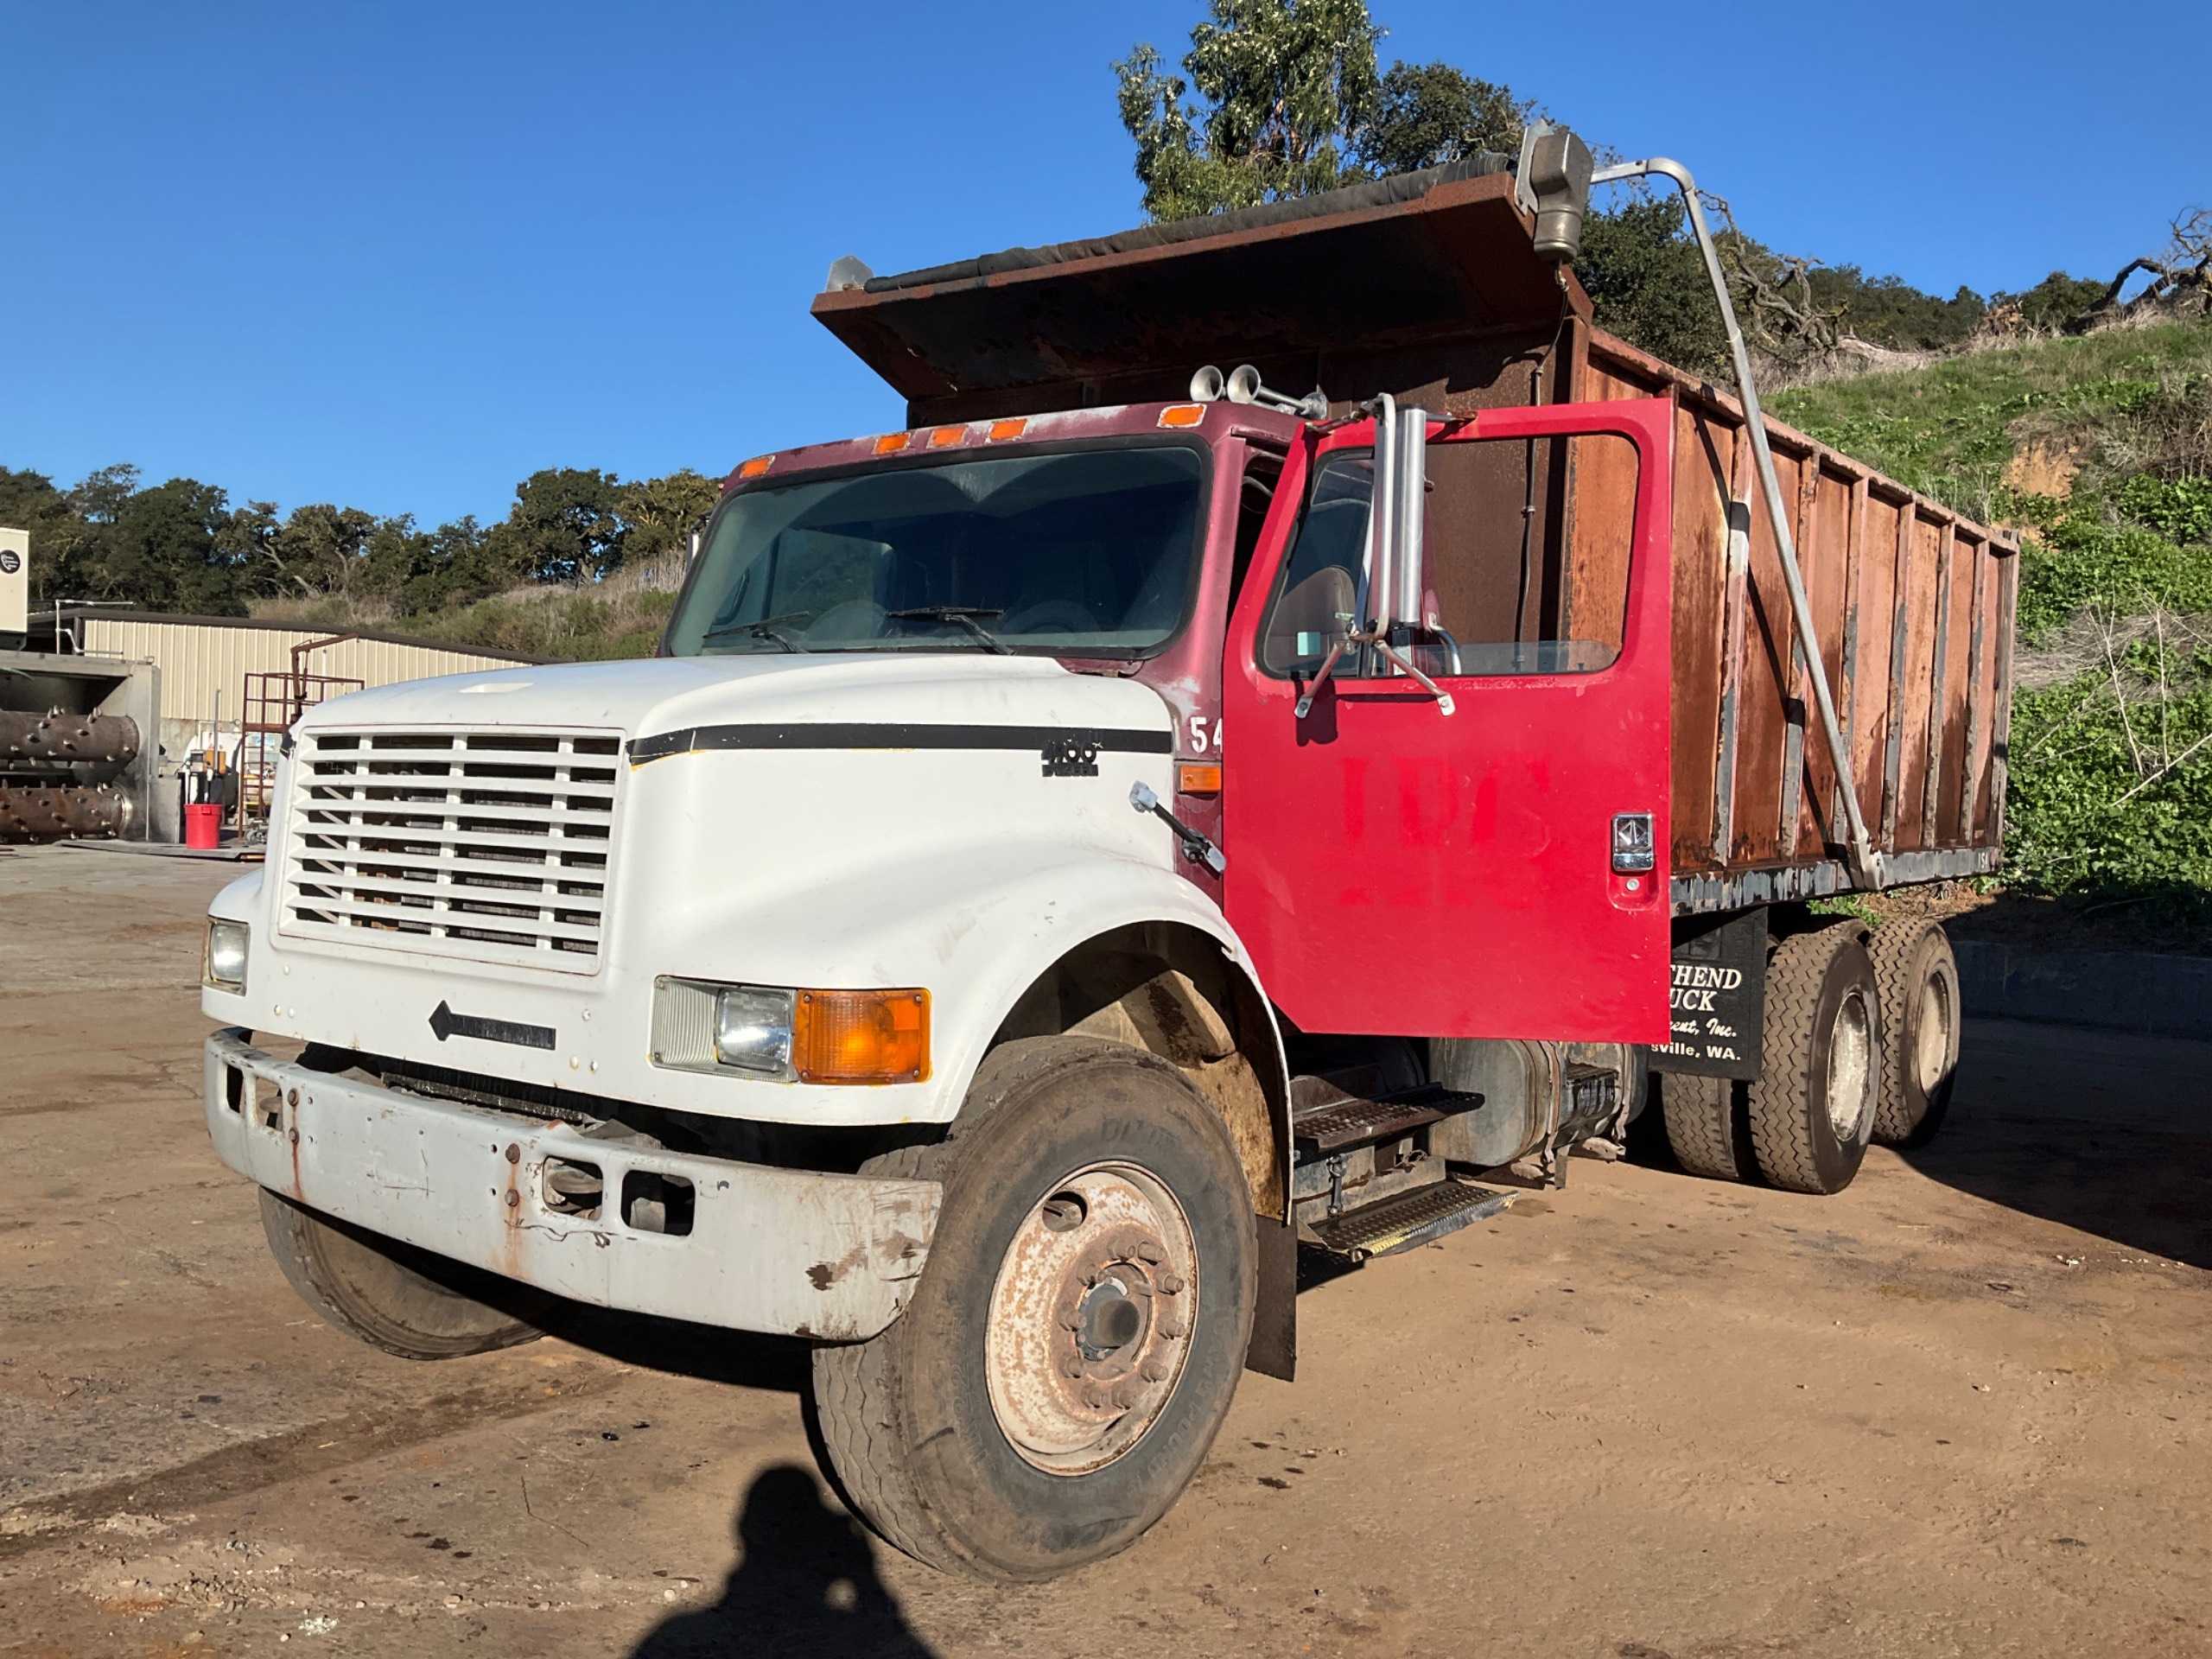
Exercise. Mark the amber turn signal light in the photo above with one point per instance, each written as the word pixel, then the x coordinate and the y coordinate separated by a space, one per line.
pixel 944 436
pixel 1002 431
pixel 892 442
pixel 1182 414
pixel 1197 778
pixel 755 466
pixel 862 1036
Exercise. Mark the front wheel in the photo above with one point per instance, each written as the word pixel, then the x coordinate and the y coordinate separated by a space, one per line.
pixel 1079 1331
pixel 388 1294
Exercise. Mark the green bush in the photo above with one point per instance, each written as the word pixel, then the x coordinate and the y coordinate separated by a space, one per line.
pixel 2090 813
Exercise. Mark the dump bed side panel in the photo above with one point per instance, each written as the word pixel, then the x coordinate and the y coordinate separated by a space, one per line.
pixel 1911 606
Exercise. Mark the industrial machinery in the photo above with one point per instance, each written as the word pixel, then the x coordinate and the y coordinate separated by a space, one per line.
pixel 76 752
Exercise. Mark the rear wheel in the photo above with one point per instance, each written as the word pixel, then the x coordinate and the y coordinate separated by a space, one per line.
pixel 390 1295
pixel 1812 1106
pixel 1701 1127
pixel 1079 1331
pixel 1917 979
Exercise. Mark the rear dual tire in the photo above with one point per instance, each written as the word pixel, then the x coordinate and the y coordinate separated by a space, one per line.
pixel 1917 979
pixel 1804 1123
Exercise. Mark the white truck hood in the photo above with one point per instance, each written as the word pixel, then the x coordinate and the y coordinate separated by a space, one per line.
pixel 658 696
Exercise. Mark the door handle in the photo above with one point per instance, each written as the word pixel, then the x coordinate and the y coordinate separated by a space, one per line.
pixel 1633 851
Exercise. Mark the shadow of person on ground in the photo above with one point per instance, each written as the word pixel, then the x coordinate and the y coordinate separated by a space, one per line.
pixel 804 1584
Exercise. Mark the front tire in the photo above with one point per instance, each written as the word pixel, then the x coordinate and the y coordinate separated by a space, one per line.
pixel 391 1296
pixel 1079 1331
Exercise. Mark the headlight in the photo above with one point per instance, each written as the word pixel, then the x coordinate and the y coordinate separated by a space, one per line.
pixel 752 1029
pixel 794 1036
pixel 223 964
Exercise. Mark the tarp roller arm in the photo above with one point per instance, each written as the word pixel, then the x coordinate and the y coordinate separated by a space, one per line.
pixel 1866 859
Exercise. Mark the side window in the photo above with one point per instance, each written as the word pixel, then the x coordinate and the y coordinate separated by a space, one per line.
pixel 1525 555
pixel 1524 562
pixel 1324 580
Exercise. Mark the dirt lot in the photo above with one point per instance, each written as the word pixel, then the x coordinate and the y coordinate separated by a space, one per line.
pixel 1959 1410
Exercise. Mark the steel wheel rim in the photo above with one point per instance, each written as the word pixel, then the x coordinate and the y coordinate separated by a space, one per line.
pixel 1090 1317
pixel 1850 1068
pixel 1931 1055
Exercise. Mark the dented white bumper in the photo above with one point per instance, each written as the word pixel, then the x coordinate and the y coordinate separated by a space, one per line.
pixel 792 1252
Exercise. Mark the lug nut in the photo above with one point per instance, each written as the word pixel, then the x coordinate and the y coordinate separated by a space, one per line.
pixel 1171 1284
pixel 1074 1368
pixel 1155 1371
pixel 1150 1253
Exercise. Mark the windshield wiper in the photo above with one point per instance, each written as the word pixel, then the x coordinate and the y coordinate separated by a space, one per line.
pixel 766 628
pixel 965 615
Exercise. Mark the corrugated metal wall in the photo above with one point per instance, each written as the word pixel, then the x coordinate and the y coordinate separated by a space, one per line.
pixel 199 659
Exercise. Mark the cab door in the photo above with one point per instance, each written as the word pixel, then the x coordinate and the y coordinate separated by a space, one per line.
pixel 1499 869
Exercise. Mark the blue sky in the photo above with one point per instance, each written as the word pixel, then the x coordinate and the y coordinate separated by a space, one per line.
pixel 399 255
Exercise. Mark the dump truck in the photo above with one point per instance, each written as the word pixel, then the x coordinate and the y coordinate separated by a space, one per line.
pixel 906 958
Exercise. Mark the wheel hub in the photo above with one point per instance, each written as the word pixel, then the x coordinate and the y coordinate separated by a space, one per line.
pixel 1932 1047
pixel 1851 1070
pixel 1094 1300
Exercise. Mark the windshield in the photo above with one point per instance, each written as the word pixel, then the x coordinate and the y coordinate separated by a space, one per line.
pixel 1082 553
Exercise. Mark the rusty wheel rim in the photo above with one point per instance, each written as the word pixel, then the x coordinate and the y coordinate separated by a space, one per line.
pixel 1091 1318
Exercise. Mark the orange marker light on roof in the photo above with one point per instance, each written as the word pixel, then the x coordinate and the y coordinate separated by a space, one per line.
pixel 1182 414
pixel 892 442
pixel 947 434
pixel 1002 431
pixel 862 1036
pixel 755 466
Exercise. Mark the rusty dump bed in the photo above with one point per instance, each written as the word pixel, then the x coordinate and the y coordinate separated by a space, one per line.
pixel 1426 286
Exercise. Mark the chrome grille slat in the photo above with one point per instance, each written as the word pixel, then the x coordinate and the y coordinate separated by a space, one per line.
pixel 493 845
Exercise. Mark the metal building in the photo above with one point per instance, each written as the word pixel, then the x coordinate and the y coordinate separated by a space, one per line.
pixel 214 673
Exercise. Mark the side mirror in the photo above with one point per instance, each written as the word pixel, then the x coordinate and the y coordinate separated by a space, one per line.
pixel 1554 184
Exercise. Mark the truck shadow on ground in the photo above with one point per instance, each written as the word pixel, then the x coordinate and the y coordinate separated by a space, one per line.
pixel 2103 1132
pixel 806 1583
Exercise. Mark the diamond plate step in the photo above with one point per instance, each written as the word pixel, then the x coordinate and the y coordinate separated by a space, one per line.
pixel 1406 1219
pixel 1344 1123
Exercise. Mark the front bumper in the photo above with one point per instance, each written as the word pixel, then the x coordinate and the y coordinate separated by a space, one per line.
pixel 786 1251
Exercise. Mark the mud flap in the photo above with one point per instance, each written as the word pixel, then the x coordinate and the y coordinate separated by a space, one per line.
pixel 1273 1349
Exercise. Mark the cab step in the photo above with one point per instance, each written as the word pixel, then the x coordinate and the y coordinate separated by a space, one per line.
pixel 1410 1218
pixel 1340 1124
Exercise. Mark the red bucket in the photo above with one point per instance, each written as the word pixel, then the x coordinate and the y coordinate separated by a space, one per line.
pixel 203 826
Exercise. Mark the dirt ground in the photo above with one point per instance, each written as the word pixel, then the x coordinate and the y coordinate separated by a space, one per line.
pixel 1959 1410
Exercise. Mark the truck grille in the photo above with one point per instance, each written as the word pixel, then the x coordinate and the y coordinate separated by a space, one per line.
pixel 493 845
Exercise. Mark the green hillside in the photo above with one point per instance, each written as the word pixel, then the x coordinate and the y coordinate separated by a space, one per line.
pixel 2099 449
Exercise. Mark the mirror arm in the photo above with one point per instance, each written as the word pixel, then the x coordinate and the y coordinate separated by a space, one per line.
pixel 1376 637
pixel 1320 677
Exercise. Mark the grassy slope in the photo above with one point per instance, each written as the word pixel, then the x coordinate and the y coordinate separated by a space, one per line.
pixel 1952 427
pixel 2111 802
